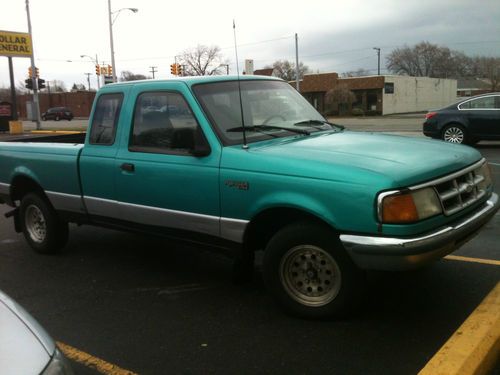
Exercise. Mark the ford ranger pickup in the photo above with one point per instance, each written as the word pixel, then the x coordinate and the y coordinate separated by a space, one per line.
pixel 246 164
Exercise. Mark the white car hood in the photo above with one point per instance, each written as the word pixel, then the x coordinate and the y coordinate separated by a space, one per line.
pixel 25 347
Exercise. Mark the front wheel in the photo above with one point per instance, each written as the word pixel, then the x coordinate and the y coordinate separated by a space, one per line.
pixel 41 226
pixel 309 273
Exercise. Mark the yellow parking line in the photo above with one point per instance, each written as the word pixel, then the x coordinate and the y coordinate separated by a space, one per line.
pixel 473 260
pixel 93 362
pixel 475 347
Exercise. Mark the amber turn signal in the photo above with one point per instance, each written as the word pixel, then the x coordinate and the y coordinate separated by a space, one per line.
pixel 399 209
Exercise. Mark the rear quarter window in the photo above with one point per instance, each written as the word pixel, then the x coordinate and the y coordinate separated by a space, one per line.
pixel 105 119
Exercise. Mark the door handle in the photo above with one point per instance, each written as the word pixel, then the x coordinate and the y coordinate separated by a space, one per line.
pixel 128 167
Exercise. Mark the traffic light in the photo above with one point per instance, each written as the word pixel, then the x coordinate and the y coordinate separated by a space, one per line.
pixel 173 69
pixel 30 72
pixel 104 70
pixel 41 83
pixel 97 70
pixel 179 69
pixel 36 72
pixel 29 83
pixel 110 70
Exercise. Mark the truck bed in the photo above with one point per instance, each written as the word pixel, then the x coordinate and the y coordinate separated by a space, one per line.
pixel 74 138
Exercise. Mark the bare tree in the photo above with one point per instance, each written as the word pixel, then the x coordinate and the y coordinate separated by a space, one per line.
pixel 340 97
pixel 488 68
pixel 129 76
pixel 78 87
pixel 286 70
pixel 56 86
pixel 428 60
pixel 21 88
pixel 202 61
pixel 356 73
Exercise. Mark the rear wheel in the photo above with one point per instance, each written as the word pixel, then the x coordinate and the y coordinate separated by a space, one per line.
pixel 41 226
pixel 309 273
pixel 454 133
pixel 57 118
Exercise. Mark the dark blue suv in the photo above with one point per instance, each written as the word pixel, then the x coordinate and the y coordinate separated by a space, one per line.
pixel 57 113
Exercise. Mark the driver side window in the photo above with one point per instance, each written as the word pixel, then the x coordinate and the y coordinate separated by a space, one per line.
pixel 164 123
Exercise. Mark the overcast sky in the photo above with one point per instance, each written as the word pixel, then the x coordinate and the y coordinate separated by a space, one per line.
pixel 334 36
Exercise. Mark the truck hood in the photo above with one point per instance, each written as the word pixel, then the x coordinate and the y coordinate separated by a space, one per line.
pixel 396 161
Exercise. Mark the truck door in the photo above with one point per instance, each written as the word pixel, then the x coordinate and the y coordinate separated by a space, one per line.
pixel 97 161
pixel 161 179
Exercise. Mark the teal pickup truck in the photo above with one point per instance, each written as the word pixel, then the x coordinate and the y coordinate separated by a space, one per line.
pixel 247 164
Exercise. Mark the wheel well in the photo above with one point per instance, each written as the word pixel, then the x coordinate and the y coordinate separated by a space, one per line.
pixel 22 185
pixel 267 223
pixel 453 123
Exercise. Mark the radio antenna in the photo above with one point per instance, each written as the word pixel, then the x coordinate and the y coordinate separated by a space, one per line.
pixel 245 145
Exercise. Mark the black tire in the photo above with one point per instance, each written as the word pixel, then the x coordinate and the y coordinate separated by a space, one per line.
pixel 44 118
pixel 41 226
pixel 455 133
pixel 309 273
pixel 57 118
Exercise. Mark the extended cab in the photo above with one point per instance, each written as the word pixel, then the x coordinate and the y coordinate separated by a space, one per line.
pixel 247 165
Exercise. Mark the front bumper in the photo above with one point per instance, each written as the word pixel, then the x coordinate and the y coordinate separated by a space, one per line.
pixel 390 253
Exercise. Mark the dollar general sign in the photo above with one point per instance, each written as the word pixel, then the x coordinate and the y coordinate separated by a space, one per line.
pixel 15 44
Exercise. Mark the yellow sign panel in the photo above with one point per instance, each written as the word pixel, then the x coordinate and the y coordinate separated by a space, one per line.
pixel 15 44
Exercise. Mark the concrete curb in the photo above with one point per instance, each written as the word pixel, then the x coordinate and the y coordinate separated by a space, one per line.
pixel 475 347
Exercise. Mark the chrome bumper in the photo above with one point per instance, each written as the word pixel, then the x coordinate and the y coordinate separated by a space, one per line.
pixel 390 253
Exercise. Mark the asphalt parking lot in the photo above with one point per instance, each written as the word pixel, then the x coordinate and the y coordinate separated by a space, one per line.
pixel 149 306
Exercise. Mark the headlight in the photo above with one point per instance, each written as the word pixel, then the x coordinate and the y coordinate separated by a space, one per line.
pixel 408 207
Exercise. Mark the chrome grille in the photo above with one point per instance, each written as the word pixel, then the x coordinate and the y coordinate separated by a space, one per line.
pixel 461 190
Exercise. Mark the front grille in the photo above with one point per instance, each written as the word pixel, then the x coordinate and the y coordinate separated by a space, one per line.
pixel 461 190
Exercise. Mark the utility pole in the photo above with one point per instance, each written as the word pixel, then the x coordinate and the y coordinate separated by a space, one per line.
pixel 88 78
pixel 36 102
pixel 378 58
pixel 13 97
pixel 297 73
pixel 111 42
pixel 153 70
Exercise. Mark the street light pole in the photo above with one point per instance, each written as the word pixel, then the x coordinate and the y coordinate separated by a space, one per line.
pixel 378 57
pixel 111 21
pixel 111 41
pixel 96 62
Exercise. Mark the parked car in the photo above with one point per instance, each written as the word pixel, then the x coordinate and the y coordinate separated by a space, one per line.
pixel 25 347
pixel 469 121
pixel 58 113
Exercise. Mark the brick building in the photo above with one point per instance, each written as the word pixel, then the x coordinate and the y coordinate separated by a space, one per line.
pixel 378 94
pixel 80 102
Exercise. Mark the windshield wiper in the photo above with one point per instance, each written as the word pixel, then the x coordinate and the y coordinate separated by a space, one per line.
pixel 267 127
pixel 318 122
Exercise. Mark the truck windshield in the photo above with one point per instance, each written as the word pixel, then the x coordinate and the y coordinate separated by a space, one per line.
pixel 273 105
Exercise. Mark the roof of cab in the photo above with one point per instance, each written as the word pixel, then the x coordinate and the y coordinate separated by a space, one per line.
pixel 190 81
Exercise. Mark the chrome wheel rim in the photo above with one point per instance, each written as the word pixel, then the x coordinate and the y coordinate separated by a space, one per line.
pixel 454 135
pixel 310 275
pixel 35 224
